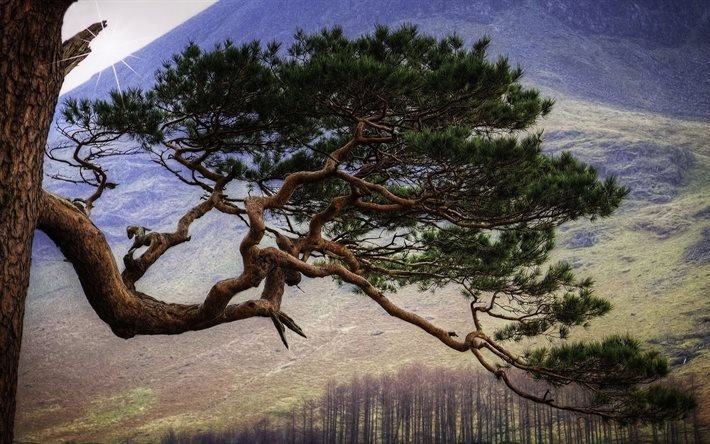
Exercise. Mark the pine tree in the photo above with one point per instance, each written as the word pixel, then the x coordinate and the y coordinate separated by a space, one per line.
pixel 382 161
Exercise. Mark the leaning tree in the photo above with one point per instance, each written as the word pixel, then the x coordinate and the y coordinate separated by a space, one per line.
pixel 383 161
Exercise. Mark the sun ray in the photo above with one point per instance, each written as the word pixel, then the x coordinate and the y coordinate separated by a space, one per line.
pixel 129 67
pixel 98 12
pixel 113 42
pixel 118 84
pixel 98 80
pixel 113 65
pixel 73 57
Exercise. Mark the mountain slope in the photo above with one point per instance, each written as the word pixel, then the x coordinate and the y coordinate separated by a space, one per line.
pixel 648 55
pixel 78 381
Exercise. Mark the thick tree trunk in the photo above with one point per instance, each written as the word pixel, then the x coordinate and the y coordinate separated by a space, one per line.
pixel 30 79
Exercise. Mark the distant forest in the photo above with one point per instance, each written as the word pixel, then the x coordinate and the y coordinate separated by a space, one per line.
pixel 419 405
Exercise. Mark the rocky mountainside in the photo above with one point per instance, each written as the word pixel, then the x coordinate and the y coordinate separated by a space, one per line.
pixel 655 22
pixel 633 99
pixel 647 55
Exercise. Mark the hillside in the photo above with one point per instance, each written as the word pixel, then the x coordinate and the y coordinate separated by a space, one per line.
pixel 622 88
pixel 646 55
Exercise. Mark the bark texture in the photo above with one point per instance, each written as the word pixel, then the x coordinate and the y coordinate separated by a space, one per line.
pixel 130 312
pixel 31 76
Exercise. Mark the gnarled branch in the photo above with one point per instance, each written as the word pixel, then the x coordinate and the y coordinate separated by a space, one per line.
pixel 127 311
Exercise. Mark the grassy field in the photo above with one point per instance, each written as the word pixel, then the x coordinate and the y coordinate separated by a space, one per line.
pixel 78 381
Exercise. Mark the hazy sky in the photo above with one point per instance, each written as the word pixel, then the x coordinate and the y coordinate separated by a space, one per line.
pixel 132 24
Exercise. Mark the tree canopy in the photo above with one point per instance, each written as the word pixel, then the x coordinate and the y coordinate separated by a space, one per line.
pixel 386 160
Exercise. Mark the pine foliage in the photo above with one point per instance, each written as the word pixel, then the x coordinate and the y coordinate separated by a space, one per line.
pixel 446 184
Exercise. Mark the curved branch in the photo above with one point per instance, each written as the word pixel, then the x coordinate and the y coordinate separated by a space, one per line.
pixel 310 270
pixel 159 243
pixel 255 206
pixel 129 312
pixel 383 191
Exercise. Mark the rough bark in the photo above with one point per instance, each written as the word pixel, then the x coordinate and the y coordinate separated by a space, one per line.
pixel 129 312
pixel 31 76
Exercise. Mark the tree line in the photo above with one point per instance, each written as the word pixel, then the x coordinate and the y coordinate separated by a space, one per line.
pixel 427 406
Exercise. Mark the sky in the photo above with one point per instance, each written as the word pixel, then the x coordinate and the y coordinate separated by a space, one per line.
pixel 132 24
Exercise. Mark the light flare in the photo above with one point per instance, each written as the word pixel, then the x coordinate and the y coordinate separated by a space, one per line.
pixel 110 41
pixel 73 57
pixel 113 65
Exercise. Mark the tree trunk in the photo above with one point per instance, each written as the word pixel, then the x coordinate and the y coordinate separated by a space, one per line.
pixel 31 76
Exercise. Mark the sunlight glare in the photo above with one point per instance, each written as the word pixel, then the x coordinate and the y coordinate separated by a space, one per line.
pixel 130 26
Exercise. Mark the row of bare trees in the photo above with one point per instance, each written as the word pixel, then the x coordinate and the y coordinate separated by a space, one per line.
pixel 426 406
